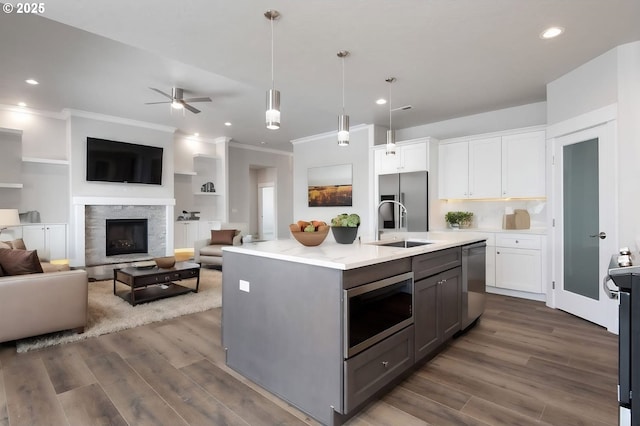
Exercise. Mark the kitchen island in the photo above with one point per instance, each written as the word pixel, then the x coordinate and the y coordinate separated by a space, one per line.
pixel 329 328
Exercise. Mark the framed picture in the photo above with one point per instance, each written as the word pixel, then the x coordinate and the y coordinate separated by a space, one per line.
pixel 330 186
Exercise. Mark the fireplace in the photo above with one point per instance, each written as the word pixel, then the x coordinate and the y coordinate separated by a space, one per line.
pixel 126 236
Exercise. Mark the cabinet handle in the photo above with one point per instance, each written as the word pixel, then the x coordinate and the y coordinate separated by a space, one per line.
pixel 385 364
pixel 443 281
pixel 517 241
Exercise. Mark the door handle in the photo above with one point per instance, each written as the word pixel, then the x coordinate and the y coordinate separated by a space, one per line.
pixel 601 235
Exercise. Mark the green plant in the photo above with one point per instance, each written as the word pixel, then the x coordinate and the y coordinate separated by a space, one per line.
pixel 459 218
pixel 347 220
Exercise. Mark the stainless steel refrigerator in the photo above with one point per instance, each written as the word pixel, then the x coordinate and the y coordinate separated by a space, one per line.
pixel 412 190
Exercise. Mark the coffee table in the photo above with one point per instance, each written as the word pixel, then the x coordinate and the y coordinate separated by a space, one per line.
pixel 148 284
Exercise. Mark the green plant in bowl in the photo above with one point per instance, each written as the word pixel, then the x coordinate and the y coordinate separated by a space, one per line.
pixel 458 219
pixel 345 227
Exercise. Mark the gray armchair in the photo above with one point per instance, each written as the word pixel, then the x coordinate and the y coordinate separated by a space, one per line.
pixel 209 253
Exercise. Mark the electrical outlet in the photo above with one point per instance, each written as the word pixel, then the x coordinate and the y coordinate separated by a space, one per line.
pixel 244 286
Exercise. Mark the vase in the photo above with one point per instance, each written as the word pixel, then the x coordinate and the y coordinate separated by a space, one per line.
pixel 344 234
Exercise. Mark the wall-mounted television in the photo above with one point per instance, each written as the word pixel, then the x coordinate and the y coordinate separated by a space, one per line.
pixel 112 161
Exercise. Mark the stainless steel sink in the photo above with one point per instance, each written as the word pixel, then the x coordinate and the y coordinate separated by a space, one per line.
pixel 405 243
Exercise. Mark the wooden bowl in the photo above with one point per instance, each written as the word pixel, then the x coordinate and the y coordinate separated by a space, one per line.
pixel 310 239
pixel 165 262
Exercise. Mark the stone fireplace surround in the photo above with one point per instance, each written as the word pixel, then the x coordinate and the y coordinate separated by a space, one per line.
pixel 89 228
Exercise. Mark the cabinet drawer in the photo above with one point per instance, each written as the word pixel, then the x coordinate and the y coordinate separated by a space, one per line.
pixel 519 241
pixel 369 371
pixel 428 264
pixel 366 274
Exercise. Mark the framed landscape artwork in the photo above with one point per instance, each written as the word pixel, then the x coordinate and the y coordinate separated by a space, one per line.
pixel 330 186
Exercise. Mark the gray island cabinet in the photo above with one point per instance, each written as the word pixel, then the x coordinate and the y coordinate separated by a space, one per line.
pixel 330 328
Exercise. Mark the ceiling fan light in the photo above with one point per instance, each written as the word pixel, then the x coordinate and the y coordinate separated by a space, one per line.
pixel 176 105
pixel 343 130
pixel 272 115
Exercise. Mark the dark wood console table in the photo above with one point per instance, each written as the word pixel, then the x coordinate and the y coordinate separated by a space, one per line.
pixel 148 284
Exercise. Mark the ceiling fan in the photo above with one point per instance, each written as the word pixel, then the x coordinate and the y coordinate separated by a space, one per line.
pixel 177 101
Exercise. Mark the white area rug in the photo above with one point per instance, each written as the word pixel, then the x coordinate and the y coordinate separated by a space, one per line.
pixel 109 313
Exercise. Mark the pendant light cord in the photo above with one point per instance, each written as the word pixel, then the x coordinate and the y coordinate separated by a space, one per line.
pixel 343 85
pixel 390 83
pixel 273 86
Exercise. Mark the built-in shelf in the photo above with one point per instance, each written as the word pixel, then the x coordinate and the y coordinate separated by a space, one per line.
pixel 212 157
pixel 185 173
pixel 207 193
pixel 44 161
pixel 10 185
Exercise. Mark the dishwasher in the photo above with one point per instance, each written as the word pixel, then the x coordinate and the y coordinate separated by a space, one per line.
pixel 473 282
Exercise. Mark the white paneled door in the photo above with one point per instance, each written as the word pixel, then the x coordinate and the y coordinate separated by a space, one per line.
pixel 585 223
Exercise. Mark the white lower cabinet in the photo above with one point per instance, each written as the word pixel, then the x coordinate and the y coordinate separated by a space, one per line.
pixel 50 240
pixel 185 233
pixel 518 262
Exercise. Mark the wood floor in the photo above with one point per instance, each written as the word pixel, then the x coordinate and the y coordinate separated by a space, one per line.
pixel 522 364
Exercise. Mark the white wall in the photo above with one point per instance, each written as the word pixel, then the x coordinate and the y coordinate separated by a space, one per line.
pixel 44 135
pixel 242 199
pixel 323 150
pixel 493 121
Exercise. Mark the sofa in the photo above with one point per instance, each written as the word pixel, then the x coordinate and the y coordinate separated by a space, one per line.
pixel 208 252
pixel 41 302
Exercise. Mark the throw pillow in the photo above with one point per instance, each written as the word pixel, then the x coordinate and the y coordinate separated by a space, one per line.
pixel 5 244
pixel 20 262
pixel 18 244
pixel 222 236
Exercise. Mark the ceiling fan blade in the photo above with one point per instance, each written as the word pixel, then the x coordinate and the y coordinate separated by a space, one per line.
pixel 161 92
pixel 190 108
pixel 153 103
pixel 204 99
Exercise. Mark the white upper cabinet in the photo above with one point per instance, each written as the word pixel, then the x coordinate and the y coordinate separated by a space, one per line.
pixel 523 165
pixel 453 170
pixel 501 166
pixel 485 157
pixel 409 157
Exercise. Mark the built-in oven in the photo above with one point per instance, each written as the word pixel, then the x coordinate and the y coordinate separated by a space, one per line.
pixel 375 311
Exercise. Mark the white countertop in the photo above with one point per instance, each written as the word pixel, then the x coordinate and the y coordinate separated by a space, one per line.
pixel 330 254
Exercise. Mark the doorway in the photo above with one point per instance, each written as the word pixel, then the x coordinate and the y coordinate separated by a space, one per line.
pixel 585 231
pixel 267 211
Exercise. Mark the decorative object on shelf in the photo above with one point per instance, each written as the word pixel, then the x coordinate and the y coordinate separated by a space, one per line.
pixel 208 187
pixel 272 115
pixel 343 119
pixel 8 218
pixel 458 219
pixel 330 186
pixel 391 134
pixel 165 262
pixel 309 233
pixel 31 216
pixel 345 227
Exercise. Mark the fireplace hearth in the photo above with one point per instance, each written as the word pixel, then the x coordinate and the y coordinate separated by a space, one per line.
pixel 126 236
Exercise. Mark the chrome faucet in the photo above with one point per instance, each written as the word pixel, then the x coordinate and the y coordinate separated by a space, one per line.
pixel 403 210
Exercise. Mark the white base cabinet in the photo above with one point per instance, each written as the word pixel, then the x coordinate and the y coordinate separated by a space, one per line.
pixel 185 234
pixel 519 262
pixel 50 240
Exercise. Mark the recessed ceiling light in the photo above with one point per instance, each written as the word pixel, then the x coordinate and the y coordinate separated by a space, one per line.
pixel 31 81
pixel 263 143
pixel 551 32
pixel 381 101
pixel 227 124
pixel 196 134
pixel 22 104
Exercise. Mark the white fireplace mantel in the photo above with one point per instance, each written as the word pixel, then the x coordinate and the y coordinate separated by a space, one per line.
pixel 123 201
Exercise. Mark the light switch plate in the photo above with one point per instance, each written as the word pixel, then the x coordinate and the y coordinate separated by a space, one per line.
pixel 244 286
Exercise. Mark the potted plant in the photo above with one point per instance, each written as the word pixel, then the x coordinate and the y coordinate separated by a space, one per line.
pixel 345 227
pixel 458 219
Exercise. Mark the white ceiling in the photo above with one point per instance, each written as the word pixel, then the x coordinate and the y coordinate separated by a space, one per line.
pixel 451 58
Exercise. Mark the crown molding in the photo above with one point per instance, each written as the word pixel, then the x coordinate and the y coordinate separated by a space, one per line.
pixel 33 111
pixel 312 138
pixel 260 149
pixel 118 120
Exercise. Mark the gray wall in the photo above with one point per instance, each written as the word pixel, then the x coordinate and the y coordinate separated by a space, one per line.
pixel 323 150
pixel 493 121
pixel 242 199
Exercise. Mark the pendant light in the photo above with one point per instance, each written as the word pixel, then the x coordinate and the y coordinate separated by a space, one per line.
pixel 343 119
pixel 272 115
pixel 391 134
